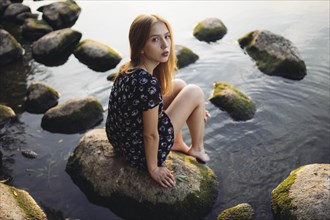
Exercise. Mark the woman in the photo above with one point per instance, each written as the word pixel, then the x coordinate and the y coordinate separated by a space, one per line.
pixel 141 126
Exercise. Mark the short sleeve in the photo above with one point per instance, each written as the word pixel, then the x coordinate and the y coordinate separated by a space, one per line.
pixel 148 91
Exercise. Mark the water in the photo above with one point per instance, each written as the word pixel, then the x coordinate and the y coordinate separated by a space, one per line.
pixel 290 128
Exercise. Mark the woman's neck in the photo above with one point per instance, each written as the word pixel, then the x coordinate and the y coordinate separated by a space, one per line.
pixel 149 67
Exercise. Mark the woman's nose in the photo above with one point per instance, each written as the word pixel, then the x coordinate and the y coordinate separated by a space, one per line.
pixel 164 43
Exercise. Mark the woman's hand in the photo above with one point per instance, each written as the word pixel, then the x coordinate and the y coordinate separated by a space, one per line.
pixel 163 176
pixel 207 116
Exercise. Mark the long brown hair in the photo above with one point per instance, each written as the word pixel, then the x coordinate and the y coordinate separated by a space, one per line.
pixel 138 35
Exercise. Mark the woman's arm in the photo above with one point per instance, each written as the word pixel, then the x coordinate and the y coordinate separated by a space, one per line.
pixel 151 141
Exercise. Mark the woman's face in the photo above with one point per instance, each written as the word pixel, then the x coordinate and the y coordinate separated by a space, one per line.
pixel 158 45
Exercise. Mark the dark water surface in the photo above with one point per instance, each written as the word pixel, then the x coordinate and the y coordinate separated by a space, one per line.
pixel 291 126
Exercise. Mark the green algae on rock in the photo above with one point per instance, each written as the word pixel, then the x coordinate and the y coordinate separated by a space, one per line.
pixel 106 177
pixel 10 49
pixel 274 55
pixel 185 56
pixel 240 212
pixel 73 116
pixel 227 98
pixel 33 29
pixel 210 30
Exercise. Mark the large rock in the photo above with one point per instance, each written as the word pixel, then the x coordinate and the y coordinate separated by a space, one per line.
pixel 103 176
pixel 17 12
pixel 18 204
pixel 210 30
pixel 185 56
pixel 274 55
pixel 305 194
pixel 74 115
pixel 60 15
pixel 3 5
pixel 33 29
pixel 240 212
pixel 6 113
pixel 239 106
pixel 97 56
pixel 40 97
pixel 55 47
pixel 10 49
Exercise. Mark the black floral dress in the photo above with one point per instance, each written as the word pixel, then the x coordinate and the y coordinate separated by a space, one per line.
pixel 131 94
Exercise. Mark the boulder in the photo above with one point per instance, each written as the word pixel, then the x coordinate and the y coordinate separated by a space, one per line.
pixel 3 5
pixel 304 194
pixel 274 55
pixel 55 47
pixel 105 177
pixel 210 30
pixel 226 97
pixel 33 29
pixel 10 49
pixel 73 116
pixel 97 56
pixel 18 204
pixel 240 212
pixel 6 113
pixel 185 56
pixel 61 14
pixel 40 97
pixel 17 12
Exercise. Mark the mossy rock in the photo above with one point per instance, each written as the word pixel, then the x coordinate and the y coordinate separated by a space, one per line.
pixel 210 30
pixel 18 204
pixel 240 212
pixel 6 113
pixel 274 55
pixel 108 180
pixel 40 97
pixel 33 29
pixel 185 56
pixel 73 116
pixel 304 194
pixel 97 56
pixel 10 49
pixel 226 97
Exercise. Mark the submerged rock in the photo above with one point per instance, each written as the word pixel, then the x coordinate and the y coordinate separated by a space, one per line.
pixel 40 97
pixel 62 14
pixel 6 113
pixel 305 194
pixel 55 47
pixel 18 204
pixel 274 55
pixel 210 30
pixel 97 56
pixel 103 176
pixel 185 56
pixel 33 29
pixel 73 116
pixel 239 106
pixel 10 49
pixel 240 212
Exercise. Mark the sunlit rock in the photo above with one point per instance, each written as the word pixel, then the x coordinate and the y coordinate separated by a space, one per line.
pixel 62 14
pixel 33 29
pixel 210 30
pixel 18 204
pixel 274 55
pixel 55 47
pixel 103 176
pixel 242 212
pixel 17 12
pixel 6 113
pixel 185 56
pixel 97 56
pixel 239 106
pixel 73 116
pixel 40 97
pixel 304 194
pixel 10 49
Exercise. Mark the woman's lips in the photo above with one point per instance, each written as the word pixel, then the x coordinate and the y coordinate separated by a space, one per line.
pixel 165 54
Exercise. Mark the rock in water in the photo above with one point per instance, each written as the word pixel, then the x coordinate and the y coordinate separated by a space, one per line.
pixel 210 30
pixel 185 56
pixel 10 49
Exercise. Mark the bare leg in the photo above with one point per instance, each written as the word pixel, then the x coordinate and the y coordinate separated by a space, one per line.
pixel 188 107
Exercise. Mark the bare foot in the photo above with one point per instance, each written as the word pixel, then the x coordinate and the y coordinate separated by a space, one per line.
pixel 181 147
pixel 201 156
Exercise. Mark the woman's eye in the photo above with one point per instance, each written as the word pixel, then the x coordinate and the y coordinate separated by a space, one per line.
pixel 155 39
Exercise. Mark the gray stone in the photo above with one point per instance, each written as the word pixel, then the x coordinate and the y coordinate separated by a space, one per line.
pixel 185 56
pixel 104 176
pixel 242 211
pixel 10 49
pixel 33 29
pixel 210 30
pixel 6 113
pixel 14 12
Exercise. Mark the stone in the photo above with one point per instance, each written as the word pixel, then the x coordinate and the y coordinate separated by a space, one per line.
pixel 3 5
pixel 242 211
pixel 185 56
pixel 40 97
pixel 304 194
pixel 55 47
pixel 226 97
pixel 10 49
pixel 33 29
pixel 18 204
pixel 274 55
pixel 62 14
pixel 14 11
pixel 210 30
pixel 97 56
pixel 73 116
pixel 6 113
pixel 104 176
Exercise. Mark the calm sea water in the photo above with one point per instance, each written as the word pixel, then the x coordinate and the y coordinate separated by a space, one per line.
pixel 290 128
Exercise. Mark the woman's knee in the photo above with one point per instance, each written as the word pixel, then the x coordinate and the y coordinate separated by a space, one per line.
pixel 195 91
pixel 179 84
